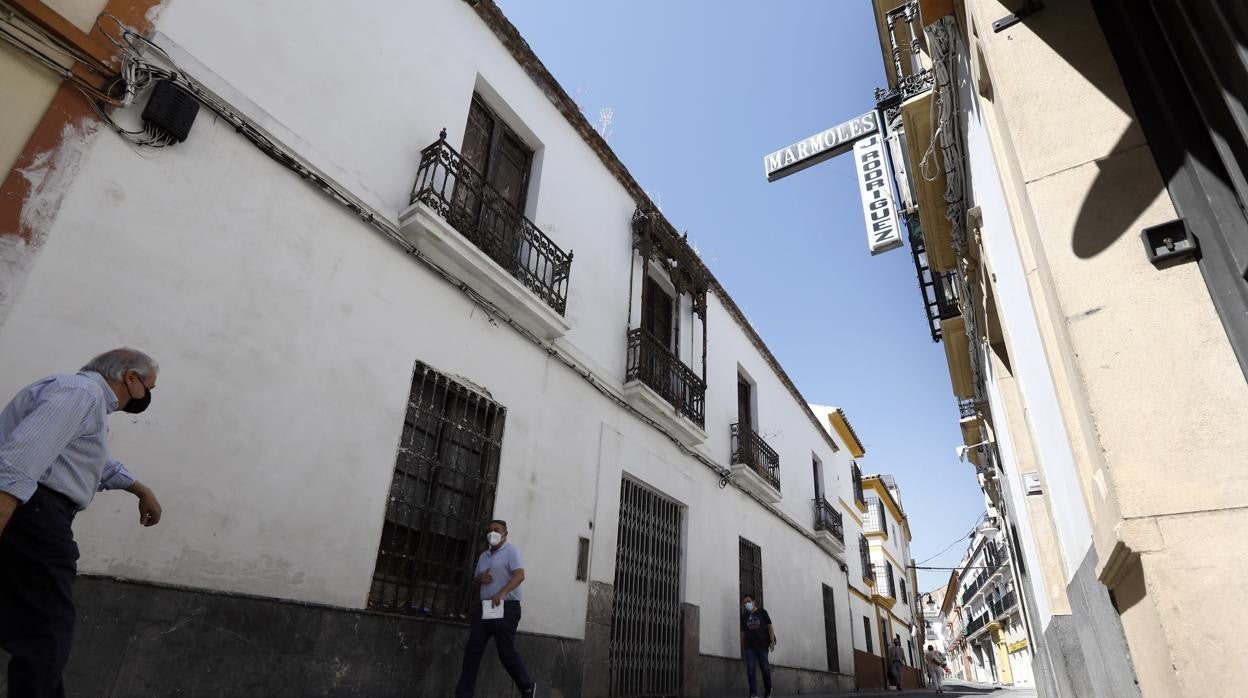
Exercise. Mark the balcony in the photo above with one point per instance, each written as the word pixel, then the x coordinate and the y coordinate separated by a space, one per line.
pixel 875 522
pixel 885 585
pixel 1003 606
pixel 659 384
pixel 829 527
pixel 755 464
pixel 464 225
pixel 976 625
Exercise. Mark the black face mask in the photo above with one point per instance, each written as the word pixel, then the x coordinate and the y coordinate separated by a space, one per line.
pixel 136 405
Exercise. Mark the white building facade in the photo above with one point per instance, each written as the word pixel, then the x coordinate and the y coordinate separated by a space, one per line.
pixel 380 328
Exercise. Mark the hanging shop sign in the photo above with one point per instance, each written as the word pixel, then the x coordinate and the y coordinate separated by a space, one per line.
pixel 874 184
pixel 819 147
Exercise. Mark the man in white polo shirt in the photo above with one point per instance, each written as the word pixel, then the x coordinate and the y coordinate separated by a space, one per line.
pixel 499 574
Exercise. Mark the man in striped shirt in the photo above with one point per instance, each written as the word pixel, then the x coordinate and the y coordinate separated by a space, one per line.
pixel 53 459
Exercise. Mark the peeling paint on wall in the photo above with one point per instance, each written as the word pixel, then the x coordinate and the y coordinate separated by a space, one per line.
pixel 48 177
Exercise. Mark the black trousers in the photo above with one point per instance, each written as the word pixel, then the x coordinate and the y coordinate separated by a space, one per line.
pixel 38 562
pixel 503 630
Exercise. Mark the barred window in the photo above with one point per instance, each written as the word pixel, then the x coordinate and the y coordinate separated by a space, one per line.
pixel 441 498
pixel 866 629
pixel 874 521
pixel 751 571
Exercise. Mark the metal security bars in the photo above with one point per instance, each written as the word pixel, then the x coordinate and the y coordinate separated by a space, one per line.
pixel 874 521
pixel 856 473
pixel 751 573
pixel 651 362
pixel 829 629
pixel 884 584
pixel 748 448
pixel 864 557
pixel 645 621
pixel 459 194
pixel 827 518
pixel 441 498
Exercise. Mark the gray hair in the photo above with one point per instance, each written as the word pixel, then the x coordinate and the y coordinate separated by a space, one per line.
pixel 114 364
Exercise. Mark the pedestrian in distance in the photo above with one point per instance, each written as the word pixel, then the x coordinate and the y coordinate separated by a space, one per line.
pixel 53 459
pixel 758 638
pixel 936 665
pixel 499 574
pixel 895 661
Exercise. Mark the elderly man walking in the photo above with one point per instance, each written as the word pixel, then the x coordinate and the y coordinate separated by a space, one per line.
pixel 53 459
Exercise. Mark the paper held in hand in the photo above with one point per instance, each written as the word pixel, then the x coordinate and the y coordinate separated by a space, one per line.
pixel 489 611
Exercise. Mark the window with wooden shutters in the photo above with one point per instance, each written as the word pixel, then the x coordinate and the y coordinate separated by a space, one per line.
pixel 751 570
pixel 829 628
pixel 656 314
pixel 441 498
pixel 498 155
pixel 745 393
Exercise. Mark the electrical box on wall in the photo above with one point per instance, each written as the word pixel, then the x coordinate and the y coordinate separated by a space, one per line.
pixel 1031 483
pixel 171 111
pixel 1169 243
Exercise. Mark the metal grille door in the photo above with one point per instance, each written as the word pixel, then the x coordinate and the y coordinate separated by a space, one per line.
pixel 645 623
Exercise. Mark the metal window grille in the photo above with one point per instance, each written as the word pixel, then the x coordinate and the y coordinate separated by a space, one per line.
pixel 874 521
pixel 864 556
pixel 901 587
pixel 829 628
pixel 751 570
pixel 866 630
pixel 856 472
pixel 441 498
pixel 645 621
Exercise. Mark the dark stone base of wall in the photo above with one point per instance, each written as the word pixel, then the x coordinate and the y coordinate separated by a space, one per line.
pixel 142 640
pixel 722 677
pixel 1086 650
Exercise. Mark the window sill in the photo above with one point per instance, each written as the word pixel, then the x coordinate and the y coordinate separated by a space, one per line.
pixel 436 239
pixel 745 476
pixel 651 404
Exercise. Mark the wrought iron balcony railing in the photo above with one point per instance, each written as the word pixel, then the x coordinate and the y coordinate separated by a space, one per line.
pixel 864 557
pixel 748 448
pixel 875 521
pixel 973 587
pixel 651 362
pixel 856 473
pixel 827 518
pixel 462 197
pixel 884 583
pixel 968 408
pixel 976 624
pixel 905 36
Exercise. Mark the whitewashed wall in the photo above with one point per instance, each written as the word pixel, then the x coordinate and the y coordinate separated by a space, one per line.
pixel 1049 437
pixel 287 332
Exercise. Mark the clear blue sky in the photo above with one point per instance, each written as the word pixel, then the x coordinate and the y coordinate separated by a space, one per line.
pixel 700 91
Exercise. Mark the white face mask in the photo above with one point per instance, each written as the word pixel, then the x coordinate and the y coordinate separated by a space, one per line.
pixel 749 606
pixel 494 537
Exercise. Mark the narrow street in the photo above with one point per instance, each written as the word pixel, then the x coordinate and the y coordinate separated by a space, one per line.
pixel 954 689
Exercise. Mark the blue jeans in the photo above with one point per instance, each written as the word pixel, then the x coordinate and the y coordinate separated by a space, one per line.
pixel 755 657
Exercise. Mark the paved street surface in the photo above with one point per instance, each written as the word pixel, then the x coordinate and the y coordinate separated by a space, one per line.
pixel 952 689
